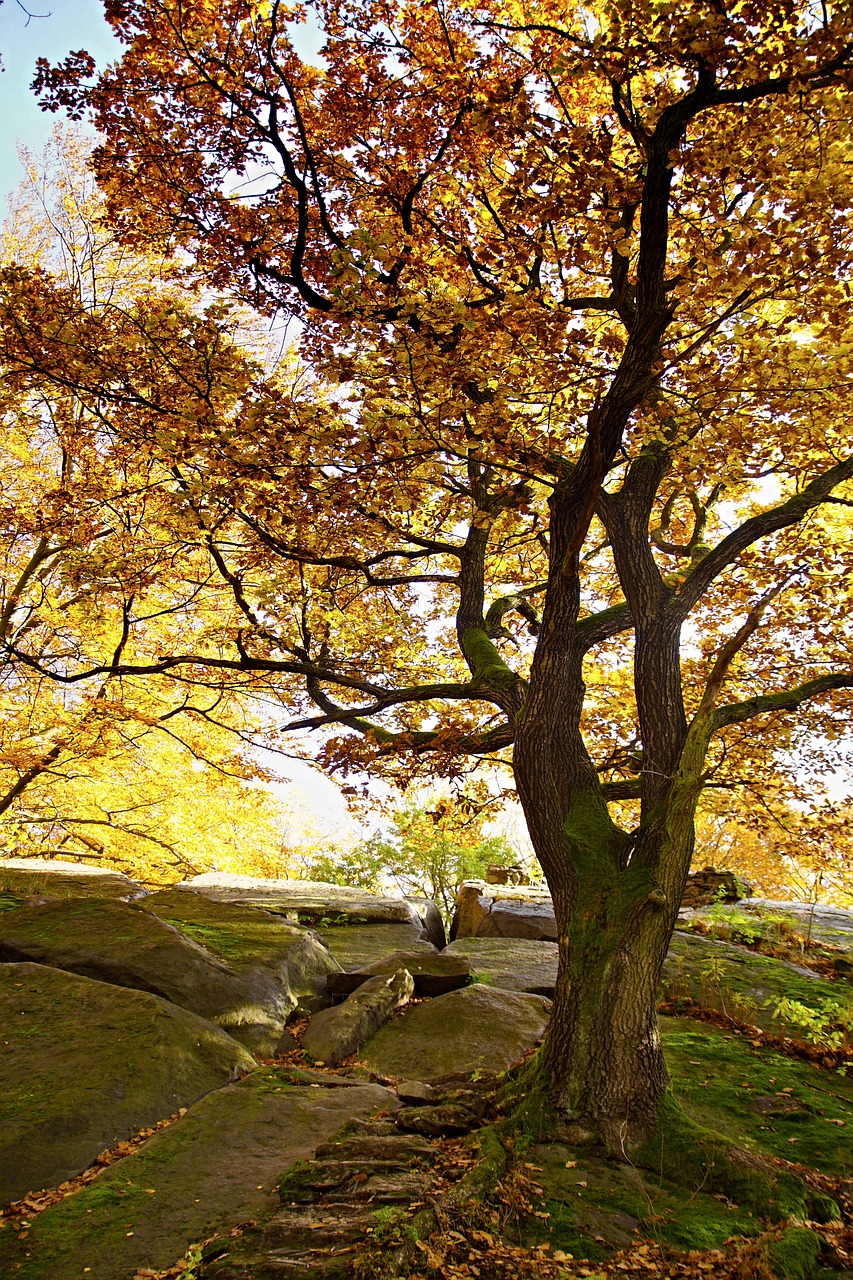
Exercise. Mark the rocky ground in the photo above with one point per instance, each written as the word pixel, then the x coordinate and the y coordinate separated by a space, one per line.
pixel 311 1084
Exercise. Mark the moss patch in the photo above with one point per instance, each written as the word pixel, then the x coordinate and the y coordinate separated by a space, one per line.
pixel 690 1187
pixel 795 1256
pixel 233 933
pixel 597 1205
pixel 762 1100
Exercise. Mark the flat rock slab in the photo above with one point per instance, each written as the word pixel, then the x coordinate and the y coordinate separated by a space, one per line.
pixel 85 1065
pixel 433 974
pixel 513 964
pixel 216 1166
pixel 334 1034
pixel 125 944
pixel 827 924
pixel 315 903
pixel 720 975
pixel 477 1028
pixel 355 945
pixel 46 878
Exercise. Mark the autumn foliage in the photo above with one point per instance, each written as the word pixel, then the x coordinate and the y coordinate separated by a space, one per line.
pixel 560 476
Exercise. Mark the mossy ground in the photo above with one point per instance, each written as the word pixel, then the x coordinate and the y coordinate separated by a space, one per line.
pixel 682 1191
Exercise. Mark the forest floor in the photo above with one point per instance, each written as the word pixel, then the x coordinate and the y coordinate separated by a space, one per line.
pixel 541 1209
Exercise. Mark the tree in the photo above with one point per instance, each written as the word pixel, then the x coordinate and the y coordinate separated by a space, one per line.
pixel 426 852
pixel 145 778
pixel 579 285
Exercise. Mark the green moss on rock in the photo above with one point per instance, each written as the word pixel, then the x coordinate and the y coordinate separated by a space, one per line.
pixel 795 1256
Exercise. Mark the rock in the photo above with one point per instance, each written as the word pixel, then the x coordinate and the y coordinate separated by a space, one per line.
pixel 127 945
pixel 494 911
pixel 329 1208
pixel 513 964
pixel 316 903
pixel 720 975
pixel 709 885
pixel 497 911
pixel 354 945
pixel 286 1044
pixel 415 1093
pixel 475 1029
pixel 49 878
pixel 506 875
pixel 217 1166
pixel 828 924
pixel 333 1034
pixel 433 974
pixel 86 1064
pixel 446 1120
pixel 248 937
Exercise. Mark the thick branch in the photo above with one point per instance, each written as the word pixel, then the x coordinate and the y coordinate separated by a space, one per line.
pixel 786 700
pixel 753 530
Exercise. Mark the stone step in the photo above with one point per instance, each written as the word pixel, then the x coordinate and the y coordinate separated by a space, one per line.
pixel 393 1146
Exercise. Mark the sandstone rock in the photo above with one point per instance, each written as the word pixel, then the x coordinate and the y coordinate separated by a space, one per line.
pixel 217 1166
pixel 415 1093
pixel 477 1028
pixel 50 878
pixel 247 938
pixel 446 1120
pixel 720 975
pixel 86 1064
pixel 433 974
pixel 495 911
pixel 709 885
pixel 315 903
pixel 125 944
pixel 333 1034
pixel 512 911
pixel 354 945
pixel 827 924
pixel 513 964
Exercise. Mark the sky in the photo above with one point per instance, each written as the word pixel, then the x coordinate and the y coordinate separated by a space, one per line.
pixel 69 25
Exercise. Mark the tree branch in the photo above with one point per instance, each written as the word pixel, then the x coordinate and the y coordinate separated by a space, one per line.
pixel 786 700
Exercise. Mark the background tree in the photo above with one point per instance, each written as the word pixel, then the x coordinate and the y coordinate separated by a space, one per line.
pixel 156 780
pixel 576 279
pixel 425 852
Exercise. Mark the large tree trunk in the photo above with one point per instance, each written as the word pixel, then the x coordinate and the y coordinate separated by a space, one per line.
pixel 616 897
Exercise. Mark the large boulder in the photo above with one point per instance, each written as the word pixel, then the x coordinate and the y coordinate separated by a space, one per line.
pixel 47 878
pixel 354 945
pixel 476 1029
pixel 514 911
pixel 86 1064
pixel 497 911
pixel 333 1034
pixel 313 902
pixel 124 944
pixel 434 973
pixel 247 938
pixel 740 982
pixel 215 1167
pixel 823 923
pixel 513 964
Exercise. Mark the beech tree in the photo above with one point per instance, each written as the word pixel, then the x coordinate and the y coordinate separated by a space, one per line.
pixel 151 777
pixel 576 500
